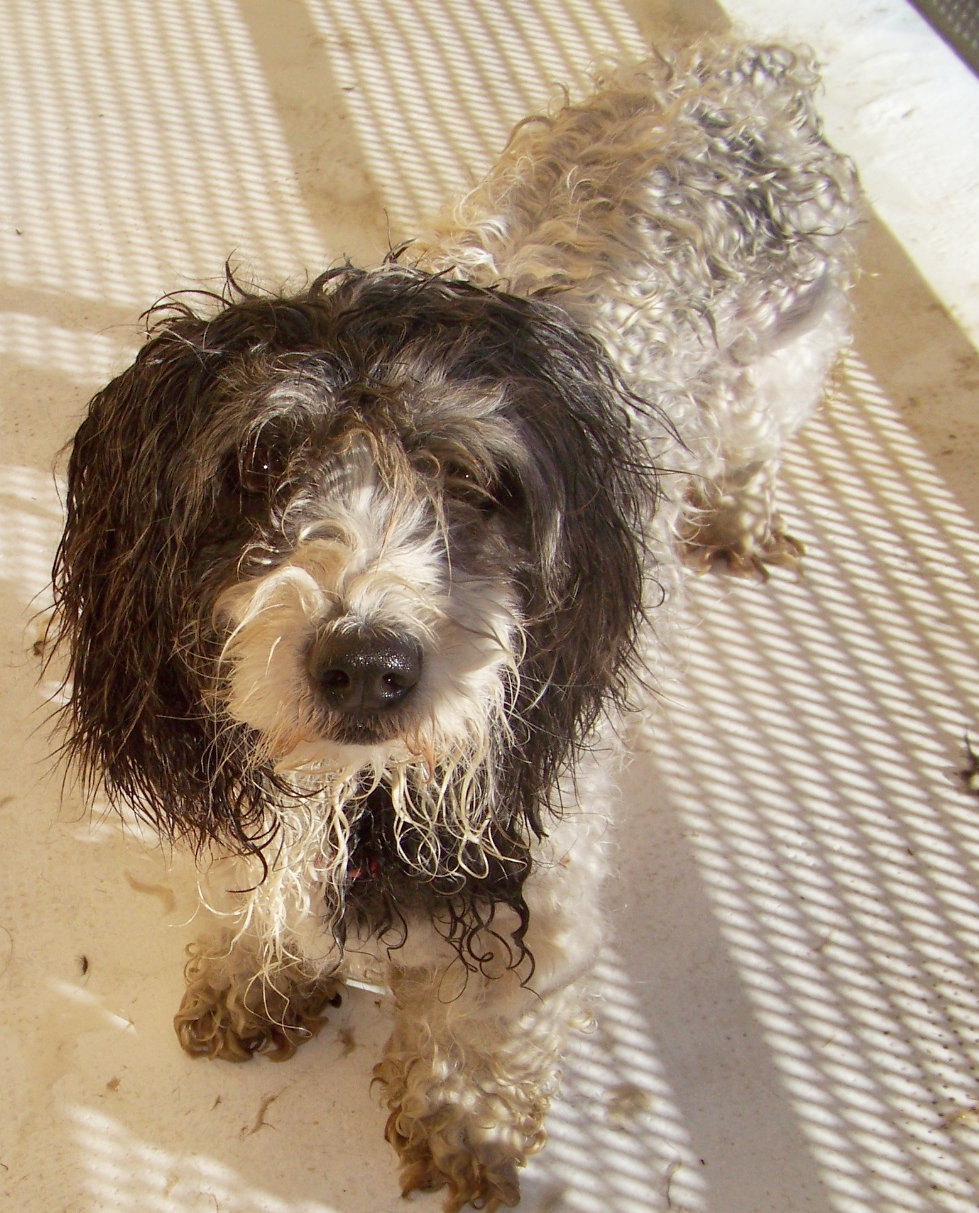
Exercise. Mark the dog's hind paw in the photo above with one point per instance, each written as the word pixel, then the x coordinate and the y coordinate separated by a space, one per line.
pixel 731 525
pixel 777 550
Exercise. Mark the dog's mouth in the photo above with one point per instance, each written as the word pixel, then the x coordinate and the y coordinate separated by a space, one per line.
pixel 330 741
pixel 364 730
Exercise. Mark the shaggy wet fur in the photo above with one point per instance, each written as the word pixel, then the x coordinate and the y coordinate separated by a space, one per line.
pixel 461 410
pixel 353 580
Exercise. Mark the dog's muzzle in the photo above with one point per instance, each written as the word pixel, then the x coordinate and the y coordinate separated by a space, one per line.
pixel 364 675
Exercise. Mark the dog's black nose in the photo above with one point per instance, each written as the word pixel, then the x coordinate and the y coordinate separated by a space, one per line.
pixel 366 670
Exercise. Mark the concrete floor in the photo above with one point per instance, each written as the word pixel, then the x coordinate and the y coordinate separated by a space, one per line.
pixel 789 1021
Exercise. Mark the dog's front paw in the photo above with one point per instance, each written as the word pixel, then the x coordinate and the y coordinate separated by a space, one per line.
pixel 227 1015
pixel 436 1153
pixel 461 1135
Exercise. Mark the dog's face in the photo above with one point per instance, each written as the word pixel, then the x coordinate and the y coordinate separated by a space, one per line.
pixel 372 596
pixel 385 531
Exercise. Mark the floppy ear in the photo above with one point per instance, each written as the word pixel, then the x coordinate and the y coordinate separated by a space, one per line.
pixel 588 488
pixel 134 720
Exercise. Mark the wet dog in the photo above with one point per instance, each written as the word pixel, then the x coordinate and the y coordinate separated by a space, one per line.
pixel 352 580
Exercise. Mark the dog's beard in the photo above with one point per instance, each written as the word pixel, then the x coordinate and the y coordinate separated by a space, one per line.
pixel 355 856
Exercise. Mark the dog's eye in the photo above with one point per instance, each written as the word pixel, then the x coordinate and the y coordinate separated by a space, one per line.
pixel 263 466
pixel 463 484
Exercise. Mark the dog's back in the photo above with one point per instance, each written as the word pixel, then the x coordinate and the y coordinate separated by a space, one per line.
pixel 691 215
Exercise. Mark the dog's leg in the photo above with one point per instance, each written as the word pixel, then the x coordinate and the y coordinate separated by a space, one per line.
pixel 237 1004
pixel 468 1086
pixel 469 1072
pixel 730 517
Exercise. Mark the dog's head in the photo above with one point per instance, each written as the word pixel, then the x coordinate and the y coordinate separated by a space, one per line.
pixel 383 532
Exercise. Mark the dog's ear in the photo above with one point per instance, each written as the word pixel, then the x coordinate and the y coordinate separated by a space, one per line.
pixel 588 487
pixel 134 721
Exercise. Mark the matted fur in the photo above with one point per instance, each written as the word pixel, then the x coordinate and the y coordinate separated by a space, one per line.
pixel 352 580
